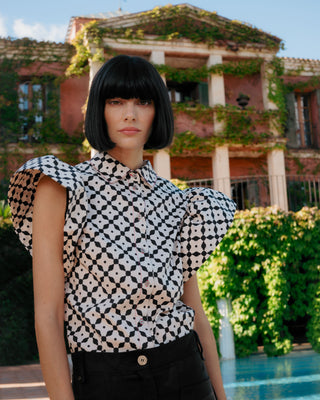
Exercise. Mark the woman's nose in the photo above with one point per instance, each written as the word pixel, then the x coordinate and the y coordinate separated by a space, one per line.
pixel 129 111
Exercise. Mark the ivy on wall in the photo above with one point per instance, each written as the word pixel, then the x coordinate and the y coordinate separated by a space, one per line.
pixel 31 118
pixel 239 127
pixel 199 26
pixel 176 19
pixel 92 34
pixel 312 83
pixel 239 68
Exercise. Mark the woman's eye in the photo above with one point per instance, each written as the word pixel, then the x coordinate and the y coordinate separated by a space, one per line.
pixel 145 102
pixel 113 101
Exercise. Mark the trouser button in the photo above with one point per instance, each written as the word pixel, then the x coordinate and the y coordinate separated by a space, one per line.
pixel 142 360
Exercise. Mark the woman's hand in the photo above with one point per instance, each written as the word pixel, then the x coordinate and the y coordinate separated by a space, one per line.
pixel 191 297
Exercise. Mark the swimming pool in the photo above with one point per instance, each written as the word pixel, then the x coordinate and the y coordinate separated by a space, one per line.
pixel 292 377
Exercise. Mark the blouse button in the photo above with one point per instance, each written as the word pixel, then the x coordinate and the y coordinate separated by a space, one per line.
pixel 134 176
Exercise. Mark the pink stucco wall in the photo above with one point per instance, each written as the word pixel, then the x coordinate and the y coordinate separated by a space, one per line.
pixel 73 95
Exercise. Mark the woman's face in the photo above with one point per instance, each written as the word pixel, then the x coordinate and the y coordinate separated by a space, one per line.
pixel 129 122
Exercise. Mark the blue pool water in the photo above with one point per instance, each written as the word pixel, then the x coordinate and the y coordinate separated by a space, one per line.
pixel 292 377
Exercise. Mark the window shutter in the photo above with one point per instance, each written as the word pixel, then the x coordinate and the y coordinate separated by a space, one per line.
pixel 291 130
pixel 203 93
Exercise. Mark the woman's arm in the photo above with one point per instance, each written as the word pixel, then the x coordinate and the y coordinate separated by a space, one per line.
pixel 191 297
pixel 48 281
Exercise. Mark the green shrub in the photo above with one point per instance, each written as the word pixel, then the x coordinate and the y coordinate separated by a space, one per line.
pixel 17 338
pixel 14 259
pixel 268 265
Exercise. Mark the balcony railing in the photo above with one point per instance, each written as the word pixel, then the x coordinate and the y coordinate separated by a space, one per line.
pixel 254 191
pixel 303 190
pixel 246 191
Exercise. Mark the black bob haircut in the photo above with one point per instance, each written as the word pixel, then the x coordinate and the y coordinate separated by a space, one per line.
pixel 128 77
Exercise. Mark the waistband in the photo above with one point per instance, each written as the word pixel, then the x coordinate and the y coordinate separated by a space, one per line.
pixel 137 359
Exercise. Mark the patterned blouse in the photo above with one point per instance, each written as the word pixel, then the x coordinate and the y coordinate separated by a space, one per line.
pixel 131 239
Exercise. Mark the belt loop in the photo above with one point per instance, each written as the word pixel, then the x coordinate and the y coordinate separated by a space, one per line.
pixel 200 348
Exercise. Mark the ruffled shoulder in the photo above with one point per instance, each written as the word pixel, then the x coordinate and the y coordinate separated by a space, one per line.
pixel 208 217
pixel 21 193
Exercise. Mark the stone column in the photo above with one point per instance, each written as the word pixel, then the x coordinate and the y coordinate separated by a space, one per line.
pixel 161 159
pixel 94 68
pixel 277 179
pixel 158 57
pixel 220 157
pixel 221 170
pixel 161 164
pixel 275 158
pixel 216 90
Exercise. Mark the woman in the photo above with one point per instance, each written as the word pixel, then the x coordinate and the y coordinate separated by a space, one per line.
pixel 115 250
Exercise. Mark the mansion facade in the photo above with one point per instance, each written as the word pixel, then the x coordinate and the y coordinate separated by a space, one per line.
pixel 246 121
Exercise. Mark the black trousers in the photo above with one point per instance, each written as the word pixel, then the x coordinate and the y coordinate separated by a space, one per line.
pixel 173 371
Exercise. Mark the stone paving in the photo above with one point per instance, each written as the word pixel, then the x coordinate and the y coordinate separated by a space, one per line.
pixel 22 382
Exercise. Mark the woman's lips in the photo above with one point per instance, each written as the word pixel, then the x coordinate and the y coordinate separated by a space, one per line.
pixel 129 130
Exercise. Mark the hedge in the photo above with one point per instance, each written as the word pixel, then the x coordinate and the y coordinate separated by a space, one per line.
pixel 17 337
pixel 268 265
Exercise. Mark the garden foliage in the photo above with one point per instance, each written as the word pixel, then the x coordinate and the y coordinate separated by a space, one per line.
pixel 268 265
pixel 17 337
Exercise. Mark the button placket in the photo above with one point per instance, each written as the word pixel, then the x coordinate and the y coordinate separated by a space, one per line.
pixel 140 226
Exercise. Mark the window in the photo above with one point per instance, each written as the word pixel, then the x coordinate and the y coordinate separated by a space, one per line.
pixel 303 120
pixel 188 92
pixel 36 102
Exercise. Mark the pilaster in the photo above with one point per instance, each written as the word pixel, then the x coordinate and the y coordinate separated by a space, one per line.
pixel 221 170
pixel 277 179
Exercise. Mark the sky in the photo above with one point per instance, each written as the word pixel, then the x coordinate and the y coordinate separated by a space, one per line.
pixel 296 22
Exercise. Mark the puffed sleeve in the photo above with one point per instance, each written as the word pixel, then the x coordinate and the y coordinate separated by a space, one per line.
pixel 208 217
pixel 21 193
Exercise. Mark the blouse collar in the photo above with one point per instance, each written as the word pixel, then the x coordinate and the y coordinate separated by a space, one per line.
pixel 113 170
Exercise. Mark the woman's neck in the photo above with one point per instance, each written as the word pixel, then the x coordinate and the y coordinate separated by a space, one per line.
pixel 131 159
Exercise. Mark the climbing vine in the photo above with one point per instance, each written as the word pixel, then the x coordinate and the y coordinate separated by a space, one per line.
pixel 167 23
pixel 239 68
pixel 30 109
pixel 239 126
pixel 311 83
pixel 175 22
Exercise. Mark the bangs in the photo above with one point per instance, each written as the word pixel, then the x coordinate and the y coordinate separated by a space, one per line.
pixel 130 80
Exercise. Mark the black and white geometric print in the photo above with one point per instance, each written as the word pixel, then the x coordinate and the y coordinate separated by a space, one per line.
pixel 131 240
